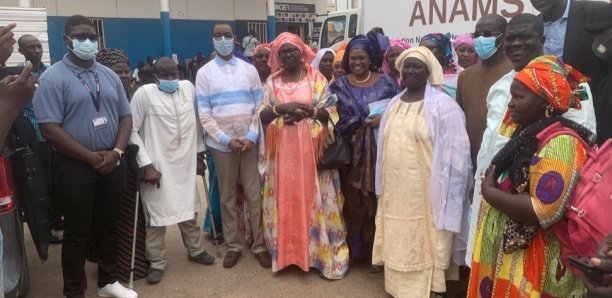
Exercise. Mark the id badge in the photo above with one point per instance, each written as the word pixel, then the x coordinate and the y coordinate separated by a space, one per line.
pixel 100 122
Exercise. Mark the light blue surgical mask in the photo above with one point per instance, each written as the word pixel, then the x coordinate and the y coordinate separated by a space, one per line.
pixel 169 86
pixel 223 45
pixel 485 46
pixel 85 50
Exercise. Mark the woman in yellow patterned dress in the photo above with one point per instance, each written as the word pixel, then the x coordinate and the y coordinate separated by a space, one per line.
pixel 526 189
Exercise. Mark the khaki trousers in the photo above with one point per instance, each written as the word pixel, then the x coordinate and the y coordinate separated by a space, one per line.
pixel 231 168
pixel 155 250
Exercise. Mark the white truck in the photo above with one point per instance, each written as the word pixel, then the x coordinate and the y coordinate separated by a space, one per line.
pixel 412 19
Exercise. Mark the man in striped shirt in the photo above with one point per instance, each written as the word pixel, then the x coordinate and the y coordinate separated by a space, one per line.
pixel 228 93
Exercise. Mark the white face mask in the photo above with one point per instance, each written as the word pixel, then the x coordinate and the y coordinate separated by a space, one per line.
pixel 223 45
pixel 85 50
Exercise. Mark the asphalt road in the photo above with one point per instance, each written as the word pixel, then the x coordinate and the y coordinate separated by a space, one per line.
pixel 187 279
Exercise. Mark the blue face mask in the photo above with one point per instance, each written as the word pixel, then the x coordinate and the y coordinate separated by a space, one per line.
pixel 85 50
pixel 223 45
pixel 485 46
pixel 169 86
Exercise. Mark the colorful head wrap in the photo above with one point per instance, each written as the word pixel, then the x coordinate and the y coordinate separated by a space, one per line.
pixel 436 75
pixel 395 42
pixel 340 53
pixel 442 41
pixel 463 39
pixel 288 38
pixel 110 57
pixel 317 60
pixel 555 81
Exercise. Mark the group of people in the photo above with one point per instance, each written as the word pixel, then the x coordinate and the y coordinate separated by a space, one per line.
pixel 445 168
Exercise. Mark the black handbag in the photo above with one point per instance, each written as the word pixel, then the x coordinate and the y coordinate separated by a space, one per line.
pixel 336 155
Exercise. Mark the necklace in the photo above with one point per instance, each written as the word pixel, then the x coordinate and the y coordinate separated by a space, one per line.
pixel 366 79
pixel 291 90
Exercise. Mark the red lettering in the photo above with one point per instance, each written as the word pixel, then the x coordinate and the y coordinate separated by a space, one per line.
pixel 456 11
pixel 433 5
pixel 490 8
pixel 519 8
pixel 417 14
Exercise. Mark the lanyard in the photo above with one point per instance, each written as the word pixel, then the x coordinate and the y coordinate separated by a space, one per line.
pixel 96 98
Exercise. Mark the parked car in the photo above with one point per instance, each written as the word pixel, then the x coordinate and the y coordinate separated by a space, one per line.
pixel 14 261
pixel 23 198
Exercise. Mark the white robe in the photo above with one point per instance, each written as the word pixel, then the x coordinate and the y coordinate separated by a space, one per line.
pixel 492 141
pixel 169 134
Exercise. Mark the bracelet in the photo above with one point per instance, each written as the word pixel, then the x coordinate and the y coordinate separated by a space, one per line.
pixel 314 113
pixel 274 111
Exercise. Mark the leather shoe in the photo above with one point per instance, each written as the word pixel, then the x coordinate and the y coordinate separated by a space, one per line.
pixel 264 259
pixel 203 258
pixel 231 258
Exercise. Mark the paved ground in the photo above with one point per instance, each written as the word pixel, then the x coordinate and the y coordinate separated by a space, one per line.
pixel 187 279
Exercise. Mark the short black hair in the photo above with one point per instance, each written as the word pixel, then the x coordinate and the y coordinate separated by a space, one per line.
pixel 21 39
pixel 498 21
pixel 526 18
pixel 212 30
pixel 76 20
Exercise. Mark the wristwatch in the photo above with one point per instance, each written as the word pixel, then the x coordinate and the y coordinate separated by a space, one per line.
pixel 118 151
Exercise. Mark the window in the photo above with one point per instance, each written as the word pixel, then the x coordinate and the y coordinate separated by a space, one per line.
pixel 99 26
pixel 352 26
pixel 333 31
pixel 261 28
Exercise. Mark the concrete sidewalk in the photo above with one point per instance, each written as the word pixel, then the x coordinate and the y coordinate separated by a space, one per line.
pixel 187 279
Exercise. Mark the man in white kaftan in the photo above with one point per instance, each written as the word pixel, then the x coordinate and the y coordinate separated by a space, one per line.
pixel 168 132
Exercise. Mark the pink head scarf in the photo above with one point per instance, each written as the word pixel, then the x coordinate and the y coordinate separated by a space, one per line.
pixel 395 42
pixel 288 38
pixel 463 39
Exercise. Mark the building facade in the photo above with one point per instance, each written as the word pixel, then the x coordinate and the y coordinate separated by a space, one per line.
pixel 135 26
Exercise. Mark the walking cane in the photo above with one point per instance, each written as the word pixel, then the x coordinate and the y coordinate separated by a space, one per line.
pixel 212 219
pixel 131 152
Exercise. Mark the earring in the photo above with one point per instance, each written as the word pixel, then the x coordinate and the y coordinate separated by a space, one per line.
pixel 549 111
pixel 302 60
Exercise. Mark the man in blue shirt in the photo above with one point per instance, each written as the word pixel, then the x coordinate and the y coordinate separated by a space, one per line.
pixel 84 114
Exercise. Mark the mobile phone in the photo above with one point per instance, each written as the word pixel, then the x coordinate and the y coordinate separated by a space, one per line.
pixel 583 263
pixel 9 71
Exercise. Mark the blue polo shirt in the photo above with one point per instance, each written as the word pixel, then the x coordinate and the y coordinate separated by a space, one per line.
pixel 62 98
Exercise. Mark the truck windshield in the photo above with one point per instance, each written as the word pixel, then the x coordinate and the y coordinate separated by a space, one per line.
pixel 333 31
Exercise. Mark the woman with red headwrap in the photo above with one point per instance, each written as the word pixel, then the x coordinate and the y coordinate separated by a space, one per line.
pixel 302 206
pixel 527 188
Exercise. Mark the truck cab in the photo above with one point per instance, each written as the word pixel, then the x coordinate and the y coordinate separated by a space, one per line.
pixel 338 27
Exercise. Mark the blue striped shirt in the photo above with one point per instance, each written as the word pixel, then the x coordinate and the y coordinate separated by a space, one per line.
pixel 228 95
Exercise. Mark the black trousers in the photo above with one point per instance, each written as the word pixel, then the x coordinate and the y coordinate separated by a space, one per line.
pixel 90 203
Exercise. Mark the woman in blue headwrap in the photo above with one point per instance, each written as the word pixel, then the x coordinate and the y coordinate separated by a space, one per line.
pixel 442 48
pixel 440 45
pixel 362 86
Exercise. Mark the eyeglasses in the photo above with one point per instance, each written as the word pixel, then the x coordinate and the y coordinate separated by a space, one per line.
pixel 83 37
pixel 486 34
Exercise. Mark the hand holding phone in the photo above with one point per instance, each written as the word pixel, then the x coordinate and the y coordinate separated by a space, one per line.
pixel 591 265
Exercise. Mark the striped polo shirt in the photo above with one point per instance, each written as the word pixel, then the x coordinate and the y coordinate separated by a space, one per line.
pixel 228 95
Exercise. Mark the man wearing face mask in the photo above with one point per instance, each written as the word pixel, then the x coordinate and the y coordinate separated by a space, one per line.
pixel 474 82
pixel 84 114
pixel 228 93
pixel 171 155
